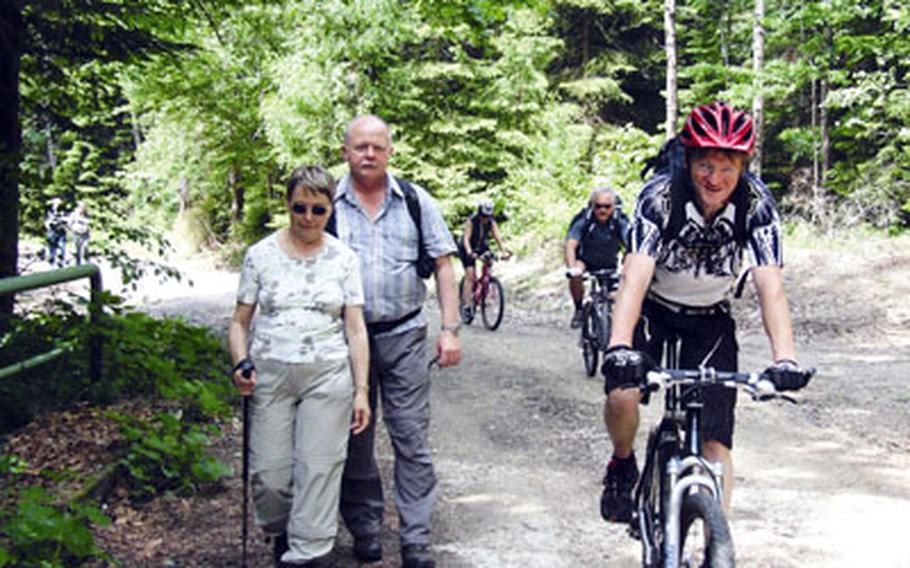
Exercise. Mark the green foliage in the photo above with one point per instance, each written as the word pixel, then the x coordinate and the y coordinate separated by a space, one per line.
pixel 39 533
pixel 166 359
pixel 167 453
pixel 472 89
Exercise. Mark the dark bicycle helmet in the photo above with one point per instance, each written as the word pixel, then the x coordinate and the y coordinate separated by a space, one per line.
pixel 719 125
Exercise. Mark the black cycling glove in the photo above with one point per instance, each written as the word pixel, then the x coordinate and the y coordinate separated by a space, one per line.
pixel 625 367
pixel 787 375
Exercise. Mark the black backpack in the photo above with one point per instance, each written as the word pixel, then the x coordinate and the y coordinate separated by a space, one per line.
pixel 426 265
pixel 671 160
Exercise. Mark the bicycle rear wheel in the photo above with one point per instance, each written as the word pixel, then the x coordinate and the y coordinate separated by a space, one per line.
pixel 590 350
pixel 705 539
pixel 493 305
pixel 466 317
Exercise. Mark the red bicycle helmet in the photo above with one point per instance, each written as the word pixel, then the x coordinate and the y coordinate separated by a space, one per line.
pixel 719 125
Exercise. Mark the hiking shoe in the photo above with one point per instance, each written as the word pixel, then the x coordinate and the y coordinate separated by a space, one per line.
pixel 467 314
pixel 619 482
pixel 368 549
pixel 280 543
pixel 417 556
pixel 577 318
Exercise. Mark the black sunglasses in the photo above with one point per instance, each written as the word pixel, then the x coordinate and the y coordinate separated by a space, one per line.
pixel 317 210
pixel 603 206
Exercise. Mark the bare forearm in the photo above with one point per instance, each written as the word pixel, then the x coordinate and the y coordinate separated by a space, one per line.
pixel 238 341
pixel 571 250
pixel 445 289
pixel 637 273
pixel 360 357
pixel 775 312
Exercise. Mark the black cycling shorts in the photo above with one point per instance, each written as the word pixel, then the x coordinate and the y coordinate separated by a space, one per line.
pixel 707 339
pixel 469 261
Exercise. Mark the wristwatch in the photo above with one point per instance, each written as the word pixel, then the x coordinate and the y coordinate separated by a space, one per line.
pixel 453 328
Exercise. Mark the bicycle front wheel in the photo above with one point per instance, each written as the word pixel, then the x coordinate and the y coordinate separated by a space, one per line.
pixel 705 539
pixel 493 305
pixel 590 350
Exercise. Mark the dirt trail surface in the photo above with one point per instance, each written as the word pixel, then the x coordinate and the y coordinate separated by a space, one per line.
pixel 520 446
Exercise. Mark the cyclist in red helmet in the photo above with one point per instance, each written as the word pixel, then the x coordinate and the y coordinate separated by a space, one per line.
pixel 696 227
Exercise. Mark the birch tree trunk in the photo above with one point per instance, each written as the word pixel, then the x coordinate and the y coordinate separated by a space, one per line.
pixel 670 46
pixel 825 134
pixel 758 101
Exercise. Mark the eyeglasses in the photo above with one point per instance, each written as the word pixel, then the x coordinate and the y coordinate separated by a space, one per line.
pixel 317 210
pixel 606 206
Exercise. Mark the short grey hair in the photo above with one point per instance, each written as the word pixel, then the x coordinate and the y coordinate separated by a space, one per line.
pixel 603 190
pixel 314 179
pixel 365 118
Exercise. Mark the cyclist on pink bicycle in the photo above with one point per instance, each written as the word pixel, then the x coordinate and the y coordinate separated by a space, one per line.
pixel 474 242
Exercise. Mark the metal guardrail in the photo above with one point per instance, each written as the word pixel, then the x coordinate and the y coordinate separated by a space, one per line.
pixel 16 284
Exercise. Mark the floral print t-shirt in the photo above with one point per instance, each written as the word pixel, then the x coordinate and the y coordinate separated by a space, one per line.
pixel 299 301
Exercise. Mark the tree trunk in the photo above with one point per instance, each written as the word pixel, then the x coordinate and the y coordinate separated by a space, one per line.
pixel 236 193
pixel 825 134
pixel 137 135
pixel 50 147
pixel 670 46
pixel 758 101
pixel 12 29
pixel 183 194
pixel 814 106
pixel 724 25
pixel 585 44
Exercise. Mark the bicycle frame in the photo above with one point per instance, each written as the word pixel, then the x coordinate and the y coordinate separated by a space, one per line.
pixel 685 471
pixel 602 283
pixel 482 285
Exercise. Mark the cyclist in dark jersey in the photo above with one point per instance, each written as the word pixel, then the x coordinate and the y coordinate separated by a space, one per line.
pixel 676 280
pixel 593 242
pixel 474 242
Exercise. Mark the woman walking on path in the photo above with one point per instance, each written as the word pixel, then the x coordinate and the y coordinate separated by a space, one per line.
pixel 309 339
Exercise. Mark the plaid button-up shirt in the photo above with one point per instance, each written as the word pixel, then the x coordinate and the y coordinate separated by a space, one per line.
pixel 387 249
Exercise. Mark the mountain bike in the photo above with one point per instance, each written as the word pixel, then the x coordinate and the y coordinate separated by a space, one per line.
pixel 678 514
pixel 597 316
pixel 488 295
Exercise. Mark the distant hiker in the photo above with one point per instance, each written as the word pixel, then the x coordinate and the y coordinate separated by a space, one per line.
pixel 55 224
pixel 595 237
pixel 78 224
pixel 310 373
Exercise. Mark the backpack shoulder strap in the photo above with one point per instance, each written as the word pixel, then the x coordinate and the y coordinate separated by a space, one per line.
pixel 413 202
pixel 331 226
pixel 741 198
pixel 677 217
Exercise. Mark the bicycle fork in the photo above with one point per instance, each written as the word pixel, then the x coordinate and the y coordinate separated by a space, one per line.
pixel 685 475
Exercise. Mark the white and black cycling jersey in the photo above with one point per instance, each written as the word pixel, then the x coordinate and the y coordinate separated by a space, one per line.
pixel 699 264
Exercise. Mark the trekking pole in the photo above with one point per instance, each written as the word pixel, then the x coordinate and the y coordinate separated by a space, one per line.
pixel 246 366
pixel 245 404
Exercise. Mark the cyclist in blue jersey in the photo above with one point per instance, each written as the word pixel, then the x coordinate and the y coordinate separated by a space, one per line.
pixel 593 242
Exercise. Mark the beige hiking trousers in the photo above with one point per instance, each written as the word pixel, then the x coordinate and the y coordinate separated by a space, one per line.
pixel 300 421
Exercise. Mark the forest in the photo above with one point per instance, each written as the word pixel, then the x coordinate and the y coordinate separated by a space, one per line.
pixel 149 109
pixel 164 112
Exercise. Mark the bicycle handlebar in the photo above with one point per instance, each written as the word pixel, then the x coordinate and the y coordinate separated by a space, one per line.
pixel 758 385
